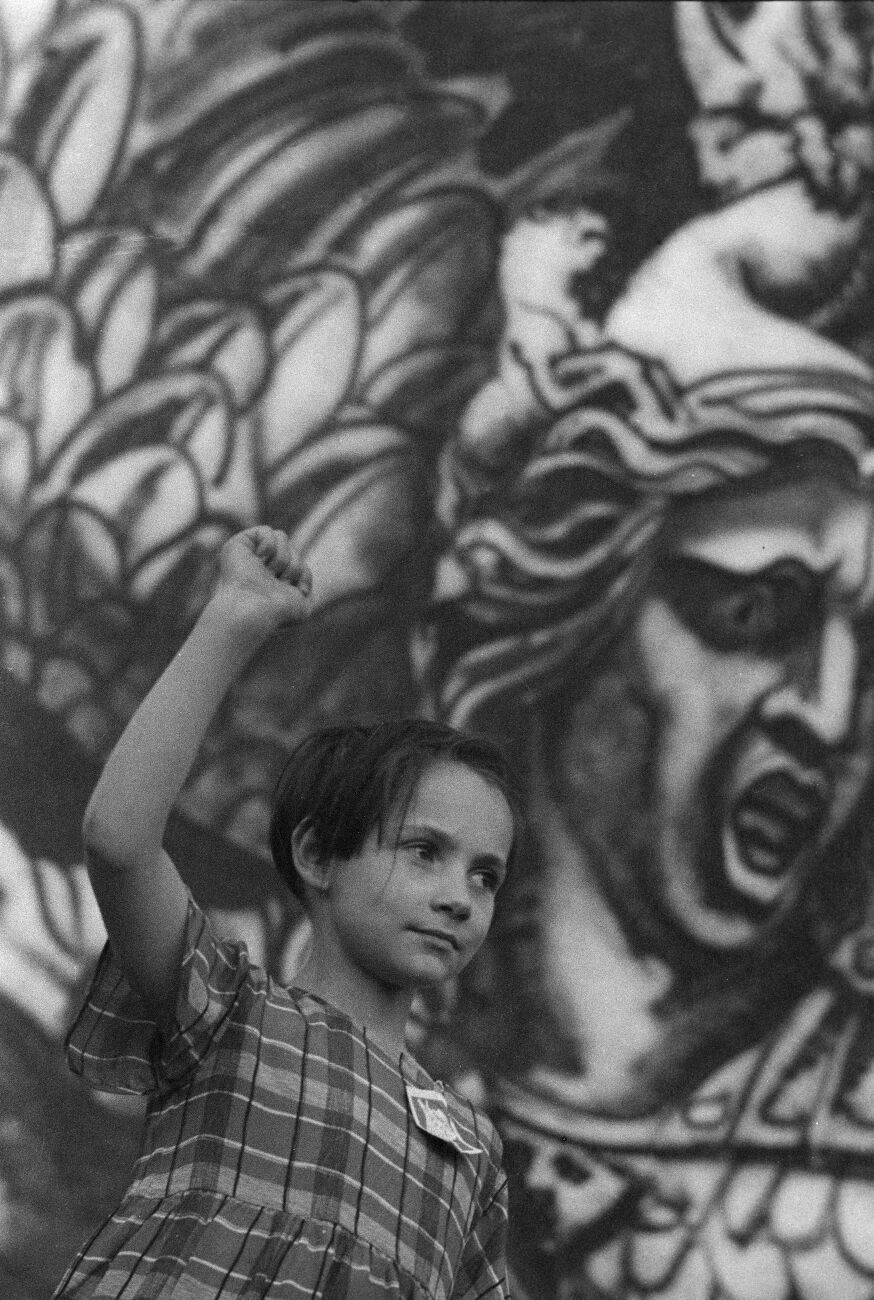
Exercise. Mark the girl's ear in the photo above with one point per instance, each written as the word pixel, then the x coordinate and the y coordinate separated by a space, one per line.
pixel 309 862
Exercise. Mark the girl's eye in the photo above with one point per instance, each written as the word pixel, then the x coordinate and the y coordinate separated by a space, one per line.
pixel 488 880
pixel 423 850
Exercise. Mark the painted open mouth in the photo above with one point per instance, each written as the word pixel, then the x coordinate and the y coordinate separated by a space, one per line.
pixel 774 820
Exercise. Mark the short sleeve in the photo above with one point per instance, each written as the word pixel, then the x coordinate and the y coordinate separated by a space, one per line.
pixel 482 1270
pixel 115 1044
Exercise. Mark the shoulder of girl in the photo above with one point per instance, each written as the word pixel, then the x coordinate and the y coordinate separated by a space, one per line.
pixel 477 1120
pixel 471 1109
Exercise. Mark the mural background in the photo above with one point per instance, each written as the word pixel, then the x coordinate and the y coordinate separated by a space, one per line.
pixel 546 329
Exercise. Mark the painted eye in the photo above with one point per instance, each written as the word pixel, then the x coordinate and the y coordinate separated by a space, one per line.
pixel 764 613
pixel 749 616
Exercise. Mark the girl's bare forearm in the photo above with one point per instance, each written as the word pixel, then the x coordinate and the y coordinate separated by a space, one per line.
pixel 127 815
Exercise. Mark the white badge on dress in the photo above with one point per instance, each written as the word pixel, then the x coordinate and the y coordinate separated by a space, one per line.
pixel 431 1113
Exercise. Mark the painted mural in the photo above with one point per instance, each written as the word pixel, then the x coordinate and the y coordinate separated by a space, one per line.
pixel 547 331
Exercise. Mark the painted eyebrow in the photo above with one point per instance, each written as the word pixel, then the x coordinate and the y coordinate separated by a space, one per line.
pixel 802 557
pixel 446 841
pixel 781 565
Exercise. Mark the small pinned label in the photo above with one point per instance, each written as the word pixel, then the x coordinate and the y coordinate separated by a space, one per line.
pixel 431 1113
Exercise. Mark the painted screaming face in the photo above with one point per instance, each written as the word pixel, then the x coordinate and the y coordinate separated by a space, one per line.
pixel 427 889
pixel 750 661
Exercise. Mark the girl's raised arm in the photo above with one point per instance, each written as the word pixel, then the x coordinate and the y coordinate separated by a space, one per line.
pixel 142 898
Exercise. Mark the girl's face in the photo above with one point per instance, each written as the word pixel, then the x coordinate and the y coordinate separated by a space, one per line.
pixel 412 909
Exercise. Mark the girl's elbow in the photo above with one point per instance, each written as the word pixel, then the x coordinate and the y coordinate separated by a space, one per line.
pixel 103 848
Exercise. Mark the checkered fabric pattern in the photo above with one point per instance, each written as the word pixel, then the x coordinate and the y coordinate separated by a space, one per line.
pixel 279 1157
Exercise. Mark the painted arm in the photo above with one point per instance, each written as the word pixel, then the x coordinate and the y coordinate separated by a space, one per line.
pixel 142 898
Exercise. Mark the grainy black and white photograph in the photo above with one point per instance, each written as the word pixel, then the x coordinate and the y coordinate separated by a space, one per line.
pixel 437 649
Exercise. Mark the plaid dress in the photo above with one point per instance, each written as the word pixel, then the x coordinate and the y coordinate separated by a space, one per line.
pixel 280 1156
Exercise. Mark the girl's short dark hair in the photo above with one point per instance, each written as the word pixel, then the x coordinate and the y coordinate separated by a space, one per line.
pixel 344 781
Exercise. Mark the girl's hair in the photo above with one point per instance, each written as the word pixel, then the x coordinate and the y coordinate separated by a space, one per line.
pixel 345 781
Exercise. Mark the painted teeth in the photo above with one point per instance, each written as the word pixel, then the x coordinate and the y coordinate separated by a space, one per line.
pixel 772 821
pixel 760 824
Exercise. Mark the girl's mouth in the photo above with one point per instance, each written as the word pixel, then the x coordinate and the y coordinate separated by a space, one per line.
pixel 443 937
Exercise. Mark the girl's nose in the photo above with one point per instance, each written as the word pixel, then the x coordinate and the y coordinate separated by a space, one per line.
pixel 820 695
pixel 452 896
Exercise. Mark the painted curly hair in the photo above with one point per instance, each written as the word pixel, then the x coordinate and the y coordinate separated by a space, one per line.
pixel 546 559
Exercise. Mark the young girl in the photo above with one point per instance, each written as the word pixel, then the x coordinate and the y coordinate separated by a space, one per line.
pixel 292 1146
